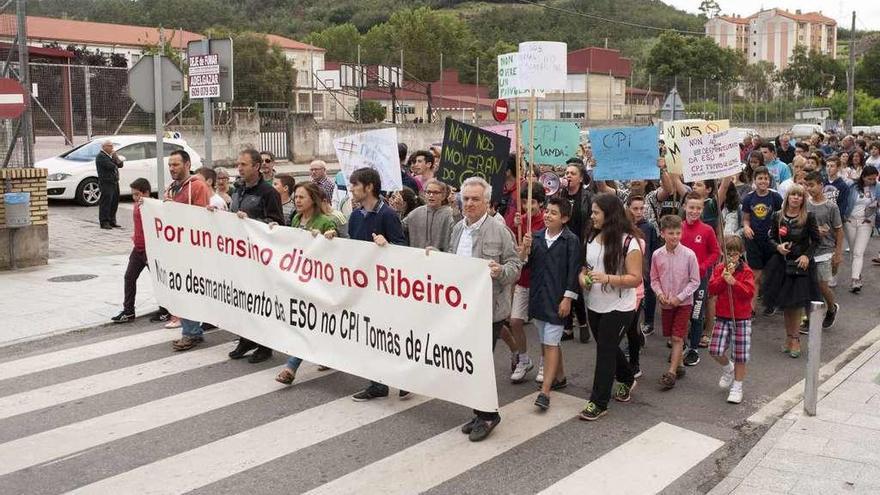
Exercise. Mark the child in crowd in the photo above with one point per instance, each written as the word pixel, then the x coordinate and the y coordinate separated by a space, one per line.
pixel 137 260
pixel 830 251
pixel 518 221
pixel 733 284
pixel 758 208
pixel 706 190
pixel 554 256
pixel 700 238
pixel 646 300
pixel 675 275
pixel 210 176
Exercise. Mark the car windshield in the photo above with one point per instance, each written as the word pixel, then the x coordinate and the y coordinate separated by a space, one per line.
pixel 85 153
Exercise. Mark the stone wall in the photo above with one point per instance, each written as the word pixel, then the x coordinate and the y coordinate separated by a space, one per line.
pixel 242 132
pixel 30 244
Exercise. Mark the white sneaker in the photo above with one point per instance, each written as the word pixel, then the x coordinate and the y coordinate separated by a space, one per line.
pixel 726 379
pixel 540 377
pixel 735 396
pixel 522 368
pixel 833 282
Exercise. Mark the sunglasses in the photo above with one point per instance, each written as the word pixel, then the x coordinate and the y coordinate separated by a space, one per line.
pixel 267 160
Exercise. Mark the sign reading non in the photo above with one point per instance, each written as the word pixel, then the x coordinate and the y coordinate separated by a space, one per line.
pixel 204 76
pixel 555 141
pixel 674 131
pixel 710 156
pixel 469 151
pixel 626 153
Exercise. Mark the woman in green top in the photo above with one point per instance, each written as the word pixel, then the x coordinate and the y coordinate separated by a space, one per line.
pixel 309 216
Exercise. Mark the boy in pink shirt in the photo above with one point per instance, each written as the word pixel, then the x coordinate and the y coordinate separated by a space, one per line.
pixel 675 275
pixel 700 238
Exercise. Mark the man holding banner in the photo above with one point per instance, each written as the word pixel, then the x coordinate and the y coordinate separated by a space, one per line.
pixel 479 236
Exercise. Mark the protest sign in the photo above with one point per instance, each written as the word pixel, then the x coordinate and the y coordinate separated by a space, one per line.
pixel 625 153
pixel 674 131
pixel 508 79
pixel 555 141
pixel 506 130
pixel 391 314
pixel 470 151
pixel 373 149
pixel 543 65
pixel 710 156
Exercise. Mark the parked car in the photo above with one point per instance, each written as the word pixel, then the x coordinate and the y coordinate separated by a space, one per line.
pixel 806 130
pixel 73 175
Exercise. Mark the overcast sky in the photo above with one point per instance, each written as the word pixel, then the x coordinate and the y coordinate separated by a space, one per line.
pixel 867 11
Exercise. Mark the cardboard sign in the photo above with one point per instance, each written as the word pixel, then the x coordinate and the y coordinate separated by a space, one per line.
pixel 625 153
pixel 543 65
pixel 710 156
pixel 373 149
pixel 508 78
pixel 469 151
pixel 673 131
pixel 555 141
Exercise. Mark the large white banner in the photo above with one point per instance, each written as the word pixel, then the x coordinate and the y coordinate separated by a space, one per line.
pixel 710 156
pixel 388 314
pixel 372 149
pixel 543 65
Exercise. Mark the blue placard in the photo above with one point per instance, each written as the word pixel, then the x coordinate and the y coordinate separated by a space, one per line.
pixel 555 141
pixel 625 153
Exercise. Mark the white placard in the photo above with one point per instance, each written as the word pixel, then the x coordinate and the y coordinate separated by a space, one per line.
pixel 710 156
pixel 373 149
pixel 392 314
pixel 543 65
pixel 508 80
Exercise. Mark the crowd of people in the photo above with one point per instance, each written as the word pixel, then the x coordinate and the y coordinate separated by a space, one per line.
pixel 599 256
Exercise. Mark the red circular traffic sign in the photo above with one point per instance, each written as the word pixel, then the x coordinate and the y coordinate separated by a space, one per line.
pixel 499 110
pixel 12 98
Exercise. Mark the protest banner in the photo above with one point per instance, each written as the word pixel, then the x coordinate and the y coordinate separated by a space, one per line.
pixel 508 79
pixel 710 156
pixel 543 66
pixel 392 314
pixel 506 130
pixel 372 149
pixel 674 131
pixel 554 143
pixel 625 153
pixel 470 151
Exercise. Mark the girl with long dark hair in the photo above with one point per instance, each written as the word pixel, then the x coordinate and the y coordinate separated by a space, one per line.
pixel 612 273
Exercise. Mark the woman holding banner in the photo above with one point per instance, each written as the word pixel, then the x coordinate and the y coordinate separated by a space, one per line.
pixel 612 273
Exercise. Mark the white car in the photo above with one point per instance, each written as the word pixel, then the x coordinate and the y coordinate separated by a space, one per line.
pixel 73 174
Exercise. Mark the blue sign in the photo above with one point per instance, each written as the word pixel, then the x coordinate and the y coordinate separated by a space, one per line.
pixel 625 153
pixel 555 141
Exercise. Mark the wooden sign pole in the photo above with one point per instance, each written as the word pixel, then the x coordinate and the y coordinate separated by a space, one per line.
pixel 516 137
pixel 532 112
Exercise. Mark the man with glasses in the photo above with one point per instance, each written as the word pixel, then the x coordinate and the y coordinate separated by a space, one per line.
pixel 318 173
pixel 267 166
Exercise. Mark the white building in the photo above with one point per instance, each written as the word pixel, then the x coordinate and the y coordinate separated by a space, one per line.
pixel 772 35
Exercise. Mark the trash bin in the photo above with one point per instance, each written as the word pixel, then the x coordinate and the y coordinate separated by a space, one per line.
pixel 18 209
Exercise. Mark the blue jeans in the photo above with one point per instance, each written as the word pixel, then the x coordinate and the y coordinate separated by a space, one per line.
pixel 190 328
pixel 293 362
pixel 699 311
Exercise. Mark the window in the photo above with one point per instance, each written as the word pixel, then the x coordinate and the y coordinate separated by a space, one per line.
pixel 303 100
pixel 170 147
pixel 571 115
pixel 318 104
pixel 137 151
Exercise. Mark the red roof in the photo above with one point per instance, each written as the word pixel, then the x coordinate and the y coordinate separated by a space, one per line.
pixel 596 60
pixel 84 32
pixel 39 51
pixel 814 17
pixel 289 44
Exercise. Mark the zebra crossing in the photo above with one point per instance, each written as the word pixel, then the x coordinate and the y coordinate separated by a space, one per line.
pixel 228 427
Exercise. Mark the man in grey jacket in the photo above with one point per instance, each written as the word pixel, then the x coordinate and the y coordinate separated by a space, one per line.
pixel 430 224
pixel 481 236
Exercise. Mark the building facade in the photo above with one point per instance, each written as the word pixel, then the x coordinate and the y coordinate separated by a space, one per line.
pixel 772 35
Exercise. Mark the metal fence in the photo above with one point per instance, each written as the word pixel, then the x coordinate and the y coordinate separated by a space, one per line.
pixel 15 148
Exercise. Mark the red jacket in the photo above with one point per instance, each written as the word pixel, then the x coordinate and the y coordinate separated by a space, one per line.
pixel 742 291
pixel 700 238
pixel 137 237
pixel 537 224
pixel 194 191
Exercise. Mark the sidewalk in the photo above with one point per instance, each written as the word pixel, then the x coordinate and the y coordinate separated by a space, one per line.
pixel 835 451
pixel 66 295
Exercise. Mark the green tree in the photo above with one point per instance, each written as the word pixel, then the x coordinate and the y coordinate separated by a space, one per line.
pixel 813 72
pixel 262 72
pixel 867 77
pixel 369 111
pixel 866 110
pixel 758 79
pixel 340 41
pixel 681 57
pixel 710 8
pixel 422 34
pixel 488 64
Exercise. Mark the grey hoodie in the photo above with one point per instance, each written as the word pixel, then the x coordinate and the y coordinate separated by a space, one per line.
pixel 425 226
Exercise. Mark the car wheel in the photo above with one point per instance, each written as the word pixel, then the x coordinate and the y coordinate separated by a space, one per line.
pixel 88 193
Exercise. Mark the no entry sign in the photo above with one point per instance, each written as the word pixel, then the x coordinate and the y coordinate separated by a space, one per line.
pixel 12 98
pixel 499 110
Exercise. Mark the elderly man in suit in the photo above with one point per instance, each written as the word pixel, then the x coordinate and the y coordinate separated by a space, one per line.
pixel 108 165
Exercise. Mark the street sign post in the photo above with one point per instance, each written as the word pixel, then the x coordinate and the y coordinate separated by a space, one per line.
pixel 156 85
pixel 210 78
pixel 12 98
pixel 500 110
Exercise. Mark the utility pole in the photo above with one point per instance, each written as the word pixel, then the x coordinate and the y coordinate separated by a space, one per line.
pixel 851 76
pixel 24 77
